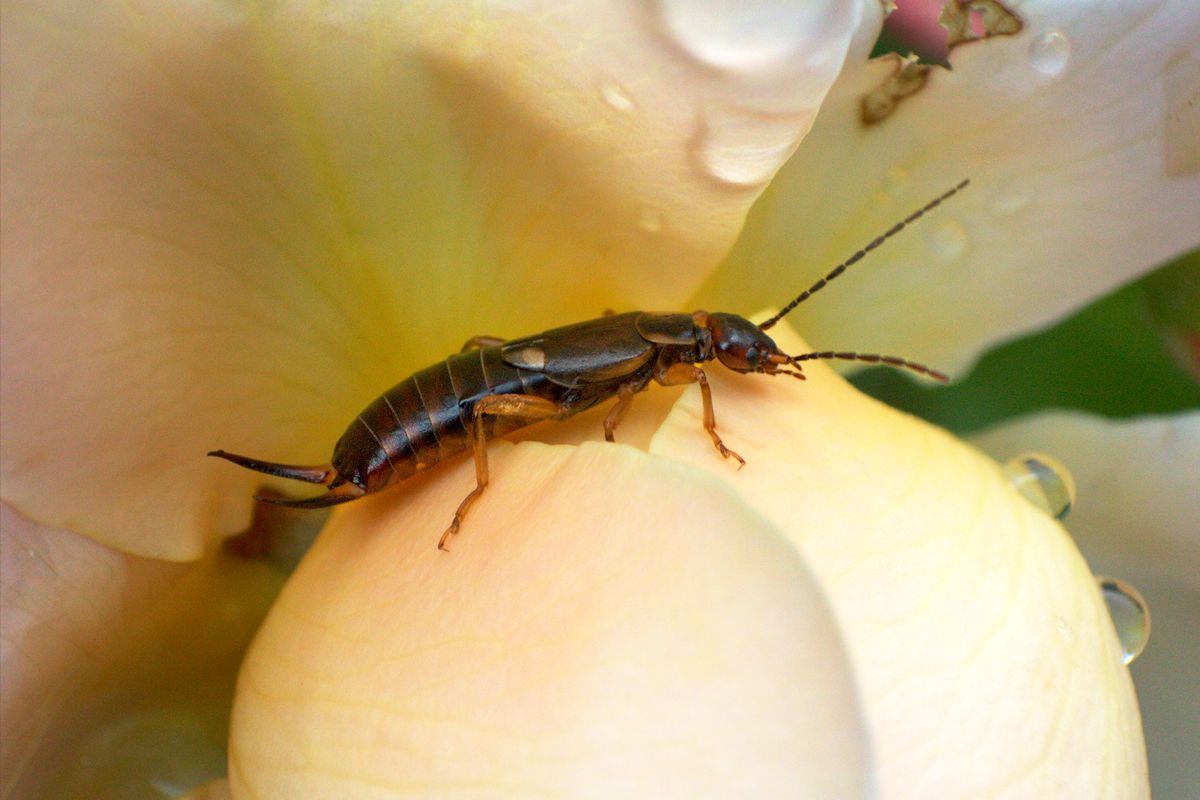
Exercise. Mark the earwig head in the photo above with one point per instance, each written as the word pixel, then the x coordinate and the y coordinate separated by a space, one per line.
pixel 740 345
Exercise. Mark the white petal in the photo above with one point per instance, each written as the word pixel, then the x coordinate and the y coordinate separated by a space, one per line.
pixel 1081 181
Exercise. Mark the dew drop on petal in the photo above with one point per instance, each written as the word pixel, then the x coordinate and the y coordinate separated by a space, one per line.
pixel 946 240
pixel 1065 631
pixel 1049 53
pixel 753 35
pixel 742 148
pixel 1130 615
pixel 651 220
pixel 616 98
pixel 1007 200
pixel 1044 481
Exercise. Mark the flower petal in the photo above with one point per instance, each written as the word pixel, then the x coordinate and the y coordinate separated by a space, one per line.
pixel 116 670
pixel 231 226
pixel 1081 180
pixel 606 624
pixel 986 659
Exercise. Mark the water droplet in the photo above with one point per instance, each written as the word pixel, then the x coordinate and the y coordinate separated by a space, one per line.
pixel 1065 631
pixel 616 97
pixel 1007 200
pixel 1049 53
pixel 743 148
pixel 1044 481
pixel 755 35
pixel 1130 615
pixel 947 239
pixel 651 220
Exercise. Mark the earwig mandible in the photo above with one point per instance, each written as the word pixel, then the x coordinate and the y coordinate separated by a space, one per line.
pixel 493 387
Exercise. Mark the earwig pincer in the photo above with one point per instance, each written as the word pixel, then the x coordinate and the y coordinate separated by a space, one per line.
pixel 496 386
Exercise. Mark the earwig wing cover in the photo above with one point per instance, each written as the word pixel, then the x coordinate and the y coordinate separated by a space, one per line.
pixel 587 352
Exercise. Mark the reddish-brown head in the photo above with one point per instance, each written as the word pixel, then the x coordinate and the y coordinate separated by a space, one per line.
pixel 742 346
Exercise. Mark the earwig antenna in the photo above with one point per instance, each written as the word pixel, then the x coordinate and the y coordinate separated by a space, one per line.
pixel 878 240
pixel 873 358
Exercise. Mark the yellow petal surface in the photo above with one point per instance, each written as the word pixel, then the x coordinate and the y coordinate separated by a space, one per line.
pixel 1081 139
pixel 986 660
pixel 232 226
pixel 607 624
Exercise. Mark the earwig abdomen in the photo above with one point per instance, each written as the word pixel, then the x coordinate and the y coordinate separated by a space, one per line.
pixel 425 419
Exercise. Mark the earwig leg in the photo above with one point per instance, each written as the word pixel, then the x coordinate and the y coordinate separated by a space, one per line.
pixel 689 373
pixel 475 342
pixel 625 393
pixel 497 405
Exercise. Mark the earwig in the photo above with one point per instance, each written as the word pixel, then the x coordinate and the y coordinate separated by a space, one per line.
pixel 493 387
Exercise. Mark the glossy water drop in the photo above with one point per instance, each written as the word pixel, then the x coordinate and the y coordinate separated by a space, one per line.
pixel 947 239
pixel 1130 615
pixel 1044 481
pixel 1049 53
pixel 616 97
pixel 1006 200
pixel 753 35
pixel 742 148
pixel 651 220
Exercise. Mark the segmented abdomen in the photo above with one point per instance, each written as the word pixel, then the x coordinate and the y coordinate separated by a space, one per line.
pixel 427 417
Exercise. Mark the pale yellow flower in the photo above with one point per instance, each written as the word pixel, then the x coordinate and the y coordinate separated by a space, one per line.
pixel 232 226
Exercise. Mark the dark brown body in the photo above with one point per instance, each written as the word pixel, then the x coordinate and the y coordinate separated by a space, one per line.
pixel 428 417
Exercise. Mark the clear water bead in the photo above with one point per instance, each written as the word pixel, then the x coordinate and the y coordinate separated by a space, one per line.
pixel 1130 615
pixel 1049 53
pixel 741 148
pixel 755 35
pixel 651 220
pixel 616 98
pixel 1007 199
pixel 947 240
pixel 1044 481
